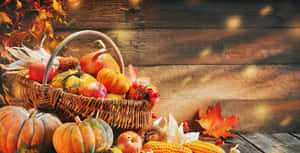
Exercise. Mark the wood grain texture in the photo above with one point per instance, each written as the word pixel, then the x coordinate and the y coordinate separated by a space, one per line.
pixel 139 14
pixel 244 145
pixel 264 97
pixel 184 46
pixel 273 143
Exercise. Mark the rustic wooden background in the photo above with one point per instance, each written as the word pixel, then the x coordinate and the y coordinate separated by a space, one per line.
pixel 245 55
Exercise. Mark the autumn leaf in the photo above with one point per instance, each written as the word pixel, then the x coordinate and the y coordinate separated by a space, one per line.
pixel 214 124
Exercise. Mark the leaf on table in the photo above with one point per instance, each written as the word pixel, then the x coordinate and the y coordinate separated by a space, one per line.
pixel 214 124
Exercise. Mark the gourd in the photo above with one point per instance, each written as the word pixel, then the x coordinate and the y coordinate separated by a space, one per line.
pixel 90 135
pixel 114 82
pixel 72 81
pixel 20 129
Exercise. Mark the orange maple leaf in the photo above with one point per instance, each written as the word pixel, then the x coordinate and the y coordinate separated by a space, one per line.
pixel 214 124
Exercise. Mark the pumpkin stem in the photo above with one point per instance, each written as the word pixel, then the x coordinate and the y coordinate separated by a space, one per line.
pixel 79 70
pixel 77 119
pixel 32 112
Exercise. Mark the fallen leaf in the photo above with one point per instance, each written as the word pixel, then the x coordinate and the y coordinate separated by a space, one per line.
pixel 214 124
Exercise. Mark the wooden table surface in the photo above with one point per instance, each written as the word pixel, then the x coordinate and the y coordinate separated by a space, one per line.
pixel 265 143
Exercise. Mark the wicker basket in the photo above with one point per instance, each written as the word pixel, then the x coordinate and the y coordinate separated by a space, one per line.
pixel 122 114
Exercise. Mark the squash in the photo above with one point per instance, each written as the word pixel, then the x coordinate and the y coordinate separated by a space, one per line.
pixel 114 82
pixel 21 130
pixel 72 81
pixel 114 96
pixel 90 135
pixel 92 63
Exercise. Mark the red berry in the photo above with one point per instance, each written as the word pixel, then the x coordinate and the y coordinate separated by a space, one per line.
pixel 220 142
pixel 153 116
pixel 185 124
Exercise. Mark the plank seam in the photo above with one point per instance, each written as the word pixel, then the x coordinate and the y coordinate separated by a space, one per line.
pixel 292 134
pixel 248 141
pixel 63 29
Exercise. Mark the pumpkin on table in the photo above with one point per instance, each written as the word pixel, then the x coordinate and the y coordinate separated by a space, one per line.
pixel 20 129
pixel 90 135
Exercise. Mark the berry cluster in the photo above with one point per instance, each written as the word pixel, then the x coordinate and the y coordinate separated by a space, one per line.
pixel 145 92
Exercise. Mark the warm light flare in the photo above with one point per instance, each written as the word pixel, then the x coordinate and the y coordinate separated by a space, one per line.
pixel 233 22
pixel 261 111
pixel 286 121
pixel 186 80
pixel 267 10
pixel 250 71
pixel 205 52
pixel 135 3
pixel 74 4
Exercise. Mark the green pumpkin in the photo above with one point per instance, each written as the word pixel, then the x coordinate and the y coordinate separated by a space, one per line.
pixel 91 135
pixel 72 81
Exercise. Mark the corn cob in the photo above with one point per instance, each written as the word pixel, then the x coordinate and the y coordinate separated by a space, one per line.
pixel 164 147
pixel 203 147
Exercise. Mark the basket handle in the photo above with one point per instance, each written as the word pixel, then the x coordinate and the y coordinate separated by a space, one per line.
pixel 84 32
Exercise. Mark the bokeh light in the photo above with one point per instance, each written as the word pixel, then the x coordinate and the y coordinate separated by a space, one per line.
pixel 186 80
pixel 261 111
pixel 233 22
pixel 267 10
pixel 286 121
pixel 250 71
pixel 135 3
pixel 205 52
pixel 74 4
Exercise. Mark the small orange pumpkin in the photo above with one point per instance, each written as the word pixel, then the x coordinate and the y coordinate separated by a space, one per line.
pixel 20 128
pixel 114 82
pixel 90 135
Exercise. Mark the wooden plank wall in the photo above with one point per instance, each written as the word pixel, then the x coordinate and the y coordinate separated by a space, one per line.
pixel 245 55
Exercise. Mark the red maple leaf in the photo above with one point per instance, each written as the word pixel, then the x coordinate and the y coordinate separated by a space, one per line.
pixel 214 124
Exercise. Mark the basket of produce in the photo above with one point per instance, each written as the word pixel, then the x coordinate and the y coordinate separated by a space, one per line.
pixel 95 85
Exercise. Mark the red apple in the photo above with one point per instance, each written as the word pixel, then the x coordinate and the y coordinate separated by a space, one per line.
pixel 37 71
pixel 130 142
pixel 94 89
pixel 92 63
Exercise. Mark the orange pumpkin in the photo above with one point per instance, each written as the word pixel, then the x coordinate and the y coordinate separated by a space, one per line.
pixel 92 63
pixel 90 135
pixel 20 128
pixel 114 82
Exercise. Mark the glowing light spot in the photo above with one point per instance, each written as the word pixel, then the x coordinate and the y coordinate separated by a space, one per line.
pixel 205 78
pixel 74 4
pixel 186 80
pixel 294 32
pixel 233 22
pixel 250 71
pixel 286 121
pixel 125 36
pixel 262 112
pixel 205 52
pixel 135 3
pixel 266 10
